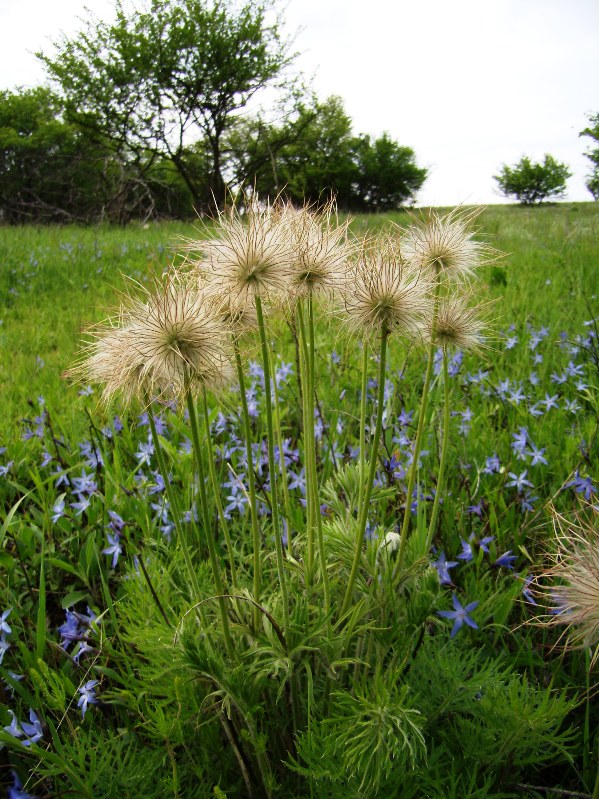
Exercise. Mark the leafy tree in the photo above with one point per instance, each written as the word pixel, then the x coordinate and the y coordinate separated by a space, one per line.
pixel 592 183
pixel 176 72
pixel 387 175
pixel 531 183
pixel 316 153
pixel 47 169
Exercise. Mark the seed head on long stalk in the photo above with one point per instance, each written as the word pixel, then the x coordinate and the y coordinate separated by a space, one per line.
pixel 321 250
pixel 446 245
pixel 458 324
pixel 385 289
pixel 171 340
pixel 249 255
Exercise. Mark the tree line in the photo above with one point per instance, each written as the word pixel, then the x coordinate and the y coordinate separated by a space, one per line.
pixel 149 115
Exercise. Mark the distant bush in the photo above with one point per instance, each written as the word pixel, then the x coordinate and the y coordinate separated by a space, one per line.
pixel 592 183
pixel 531 183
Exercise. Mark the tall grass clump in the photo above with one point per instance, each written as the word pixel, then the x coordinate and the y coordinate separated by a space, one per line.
pixel 288 580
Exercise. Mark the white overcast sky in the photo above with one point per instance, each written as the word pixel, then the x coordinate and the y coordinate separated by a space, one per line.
pixel 468 84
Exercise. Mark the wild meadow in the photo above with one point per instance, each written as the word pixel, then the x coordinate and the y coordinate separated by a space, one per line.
pixel 311 512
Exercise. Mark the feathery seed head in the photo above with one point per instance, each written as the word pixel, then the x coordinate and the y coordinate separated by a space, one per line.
pixel 458 324
pixel 251 255
pixel 172 340
pixel 385 291
pixel 320 249
pixel 445 245
pixel 573 595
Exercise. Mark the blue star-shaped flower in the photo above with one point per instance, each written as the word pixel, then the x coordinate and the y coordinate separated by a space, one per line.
pixel 459 614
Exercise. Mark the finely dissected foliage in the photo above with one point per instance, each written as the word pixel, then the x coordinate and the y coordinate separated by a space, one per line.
pixel 315 582
pixel 531 183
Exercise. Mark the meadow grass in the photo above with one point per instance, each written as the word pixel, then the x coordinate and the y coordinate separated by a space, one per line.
pixel 138 691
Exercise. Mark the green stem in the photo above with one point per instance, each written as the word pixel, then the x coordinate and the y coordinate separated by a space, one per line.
pixel 174 504
pixel 308 423
pixel 272 468
pixel 362 441
pixel 256 543
pixel 418 442
pixel 216 569
pixel 363 511
pixel 312 455
pixel 279 435
pixel 443 459
pixel 216 491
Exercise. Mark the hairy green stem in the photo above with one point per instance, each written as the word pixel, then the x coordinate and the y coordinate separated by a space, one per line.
pixel 362 441
pixel 279 435
pixel 308 424
pixel 216 491
pixel 443 458
pixel 418 441
pixel 256 542
pixel 312 454
pixel 216 567
pixel 272 467
pixel 363 511
pixel 174 505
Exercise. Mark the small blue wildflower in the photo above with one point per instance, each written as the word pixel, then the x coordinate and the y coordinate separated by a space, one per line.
pixel 86 392
pixel 550 402
pixel 582 485
pixel 505 561
pixel 81 505
pixel 520 443
pixel 527 502
pixel 519 481
pixel 115 549
pixel 4 647
pixel 16 790
pixel 336 359
pixel 517 395
pixel 32 729
pixel 492 465
pixel 442 565
pixel 511 342
pixel 537 455
pixel 145 452
pixel 476 510
pixel 88 696
pixel 537 359
pixel 13 728
pixel 526 592
pixel 4 470
pixel 459 614
pixel 4 627
pixel 474 543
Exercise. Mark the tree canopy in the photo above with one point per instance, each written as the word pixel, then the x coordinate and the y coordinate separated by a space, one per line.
pixel 531 183
pixel 159 80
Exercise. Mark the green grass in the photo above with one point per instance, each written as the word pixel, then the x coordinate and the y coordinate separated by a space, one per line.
pixel 55 282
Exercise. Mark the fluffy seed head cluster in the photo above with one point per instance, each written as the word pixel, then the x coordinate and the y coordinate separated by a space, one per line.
pixel 571 585
pixel 458 324
pixel 249 255
pixel 445 245
pixel 320 249
pixel 172 340
pixel 385 291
